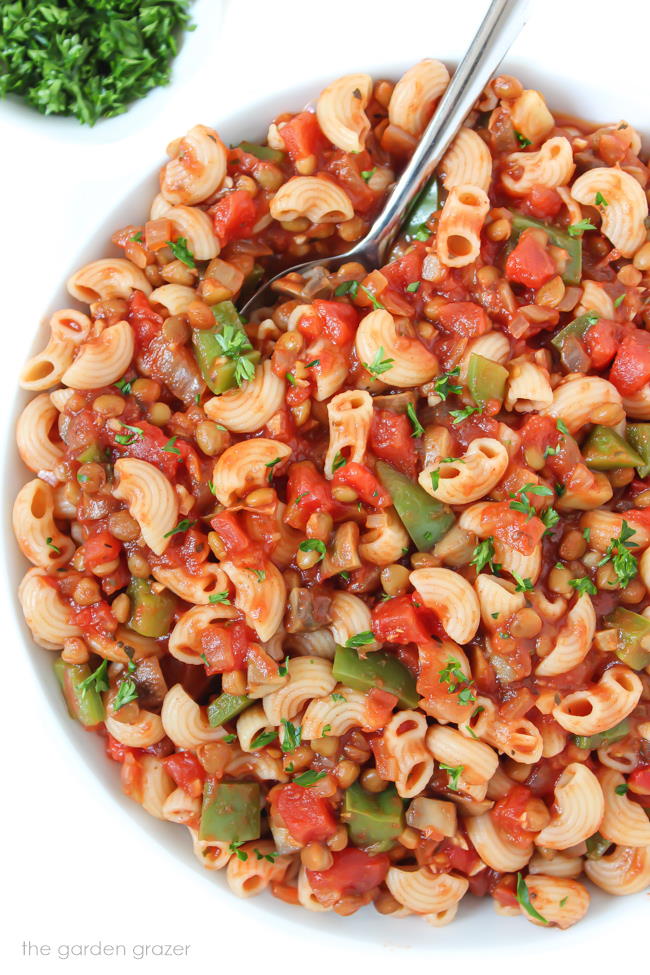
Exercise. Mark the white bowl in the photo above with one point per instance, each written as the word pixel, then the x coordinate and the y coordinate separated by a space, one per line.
pixel 481 933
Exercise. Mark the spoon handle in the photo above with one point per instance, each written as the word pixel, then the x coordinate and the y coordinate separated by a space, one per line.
pixel 501 25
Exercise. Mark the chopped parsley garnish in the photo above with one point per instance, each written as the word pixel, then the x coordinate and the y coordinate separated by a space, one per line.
pixel 624 563
pixel 260 574
pixel 271 857
pixel 551 451
pixel 622 789
pixel 126 692
pixel 234 343
pixel 228 738
pixel 523 585
pixel 124 386
pixel 583 585
pixel 313 545
pixel 171 448
pixel 444 384
pixel 314 362
pixel 339 461
pixel 413 286
pixel 360 640
pixel 452 675
pixel 550 517
pixel 484 555
pixel 379 365
pixel 523 504
pixel 271 464
pixel 460 415
pixel 522 140
pixel 338 697
pixel 126 439
pixel 586 534
pixel 418 429
pixel 292 736
pixel 97 680
pixel 422 233
pixel 220 597
pixel 326 730
pixel 435 478
pixel 578 229
pixel 367 174
pixel 137 237
pixel 523 896
pixel 182 526
pixel 90 60
pixel 374 301
pixel 599 200
pixel 283 669
pixel 181 251
pixel 454 772
pixel 50 544
pixel 345 576
pixel 291 379
pixel 561 426
pixel 235 848
pixel 264 738
pixel 347 288
pixel 619 301
pixel 309 778
pixel 466 696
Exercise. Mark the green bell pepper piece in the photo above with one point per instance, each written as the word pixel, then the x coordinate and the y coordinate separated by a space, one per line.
pixel 425 204
pixel 84 705
pixel 606 450
pixel 425 519
pixel 486 379
pixel 92 454
pixel 217 370
pixel 226 707
pixel 633 637
pixel 597 846
pixel 262 152
pixel 374 820
pixel 230 812
pixel 560 238
pixel 638 435
pixel 603 737
pixel 151 613
pixel 378 669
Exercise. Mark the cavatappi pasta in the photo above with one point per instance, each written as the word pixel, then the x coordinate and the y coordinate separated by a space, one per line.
pixel 358 590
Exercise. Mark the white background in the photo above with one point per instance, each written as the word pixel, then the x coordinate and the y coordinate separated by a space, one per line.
pixel 74 867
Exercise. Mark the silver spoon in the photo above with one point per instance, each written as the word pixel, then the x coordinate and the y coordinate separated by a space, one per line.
pixel 501 25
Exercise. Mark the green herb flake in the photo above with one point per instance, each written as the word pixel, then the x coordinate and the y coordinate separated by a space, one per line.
pixel 309 778
pixel 454 772
pixel 338 697
pixel 619 301
pixel 360 640
pixel 374 301
pixel 264 738
pixel 220 597
pixel 418 429
pixel 339 461
pixel 181 252
pixel 578 229
pixel 229 738
pixel 313 545
pixel 523 585
pixel 171 448
pixel 522 140
pixel 523 896
pixel 239 853
pixel 126 693
pixel 583 585
pixel 379 365
pixel 484 555
pixel 126 439
pixel 413 286
pixel 464 414
pixel 367 174
pixel 622 789
pixel 182 526
pixel 50 544
pixel 124 386
pixel 561 426
pixel 624 563
pixel 292 736
pixel 599 200
pixel 444 385
pixel 347 288
pixel 97 680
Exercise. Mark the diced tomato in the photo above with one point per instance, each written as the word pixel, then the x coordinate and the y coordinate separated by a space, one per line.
pixel 145 322
pixel 116 750
pixel 514 528
pixel 339 320
pixel 542 202
pixel 504 891
pixel 601 341
pixel 227 526
pixel 186 771
pixel 391 439
pixel 347 169
pixel 97 618
pixel 529 263
pixel 465 318
pixel 353 872
pixel 457 857
pixel 188 550
pixel 379 707
pixel 225 646
pixel 639 780
pixel 631 368
pixel 307 492
pixel 308 816
pixel 508 814
pixel 234 216
pixel 302 136
pixel 361 479
pixel 100 549
pixel 147 445
pixel 398 621
pixel 405 270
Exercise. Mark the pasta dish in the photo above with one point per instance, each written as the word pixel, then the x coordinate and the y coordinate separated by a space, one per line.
pixel 358 590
